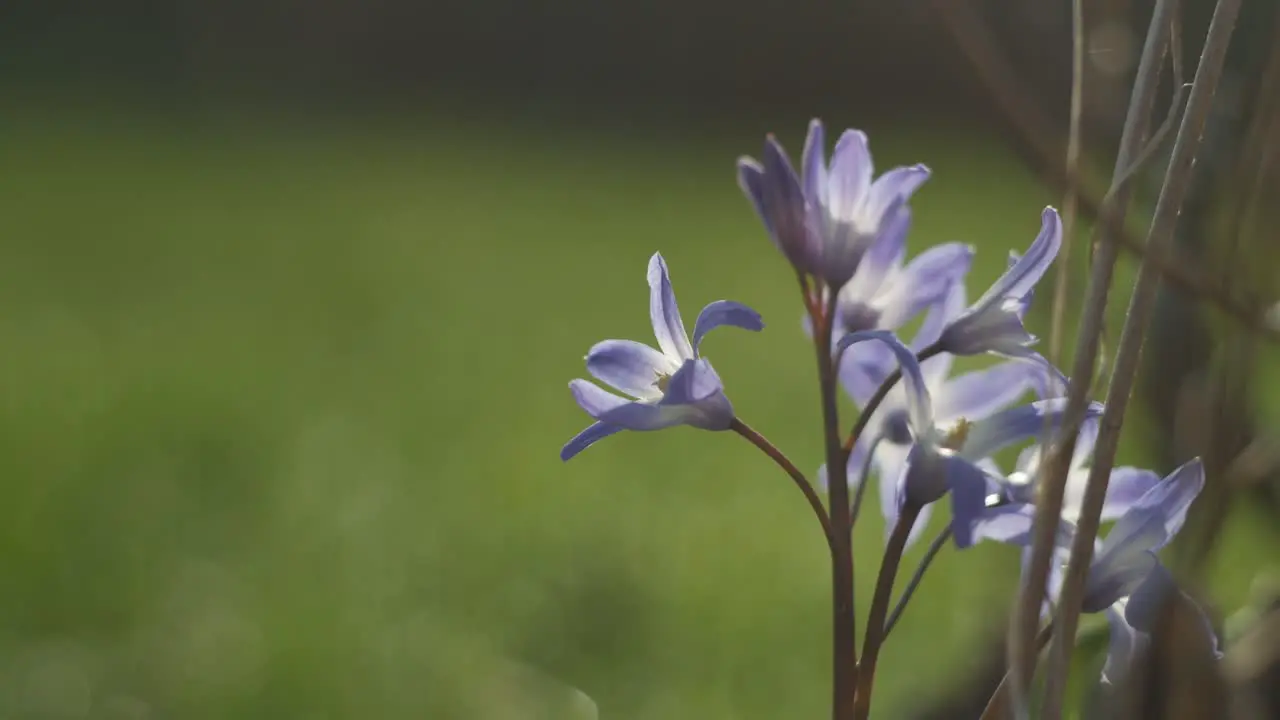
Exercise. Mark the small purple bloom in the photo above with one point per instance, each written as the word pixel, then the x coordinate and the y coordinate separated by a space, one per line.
pixel 885 295
pixel 827 219
pixel 1007 517
pixel 673 386
pixel 932 432
pixel 1126 580
pixel 994 323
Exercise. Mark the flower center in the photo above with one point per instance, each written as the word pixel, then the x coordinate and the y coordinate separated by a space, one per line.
pixel 856 317
pixel 662 382
pixel 956 437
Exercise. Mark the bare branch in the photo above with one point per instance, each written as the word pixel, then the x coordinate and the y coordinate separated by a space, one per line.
pixel 1177 180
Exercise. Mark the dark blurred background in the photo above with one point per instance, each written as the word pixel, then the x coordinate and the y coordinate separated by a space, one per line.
pixel 290 292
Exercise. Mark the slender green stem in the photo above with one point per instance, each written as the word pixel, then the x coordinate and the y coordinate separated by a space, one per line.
pixel 879 607
pixel 934 548
pixel 785 463
pixel 862 482
pixel 880 394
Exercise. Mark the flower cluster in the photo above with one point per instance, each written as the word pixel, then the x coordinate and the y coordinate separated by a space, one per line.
pixel 925 433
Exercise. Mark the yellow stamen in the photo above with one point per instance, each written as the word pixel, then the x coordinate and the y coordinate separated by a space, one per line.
pixel 662 382
pixel 956 438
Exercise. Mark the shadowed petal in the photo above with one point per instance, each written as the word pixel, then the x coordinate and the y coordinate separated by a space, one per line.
pixel 814 162
pixel 1124 645
pixel 979 394
pixel 968 485
pixel 1024 302
pixel 592 398
pixel 724 312
pixel 924 282
pixel 1008 426
pixel 918 405
pixel 1049 382
pixel 697 388
pixel 775 192
pixel 665 313
pixel 1010 524
pixel 629 366
pixel 891 465
pixel 1085 441
pixel 921 524
pixel 940 316
pixel 893 472
pixel 924 478
pixel 1147 599
pixel 585 439
pixel 1115 575
pixel 995 328
pixel 882 260
pixel 643 416
pixel 862 368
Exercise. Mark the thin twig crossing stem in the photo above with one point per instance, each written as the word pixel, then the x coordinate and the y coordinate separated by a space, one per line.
pixel 1176 181
pixel 1063 278
pixel 1026 615
pixel 934 548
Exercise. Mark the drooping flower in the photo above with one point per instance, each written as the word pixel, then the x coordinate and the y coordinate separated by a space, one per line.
pixel 929 437
pixel 1125 578
pixel 993 324
pixel 826 219
pixel 671 386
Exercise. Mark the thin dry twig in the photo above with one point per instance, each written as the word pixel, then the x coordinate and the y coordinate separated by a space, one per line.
pixel 1062 280
pixel 1176 181
pixel 1054 470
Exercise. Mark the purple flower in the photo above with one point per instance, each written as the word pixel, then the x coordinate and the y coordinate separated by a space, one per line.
pixel 930 432
pixel 826 222
pixel 885 295
pixel 1007 517
pixel 1126 580
pixel 994 323
pixel 674 386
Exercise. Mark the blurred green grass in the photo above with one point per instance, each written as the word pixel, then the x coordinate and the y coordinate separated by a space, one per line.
pixel 280 408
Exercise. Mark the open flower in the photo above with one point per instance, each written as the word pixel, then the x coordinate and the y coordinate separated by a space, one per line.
pixel 826 222
pixel 925 446
pixel 955 402
pixel 994 323
pixel 673 386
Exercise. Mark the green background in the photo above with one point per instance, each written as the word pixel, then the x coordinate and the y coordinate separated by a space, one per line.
pixel 281 401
